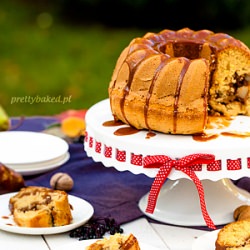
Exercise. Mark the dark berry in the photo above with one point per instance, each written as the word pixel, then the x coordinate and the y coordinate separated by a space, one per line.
pixel 96 228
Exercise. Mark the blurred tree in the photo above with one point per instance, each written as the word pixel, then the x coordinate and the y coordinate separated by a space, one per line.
pixel 196 14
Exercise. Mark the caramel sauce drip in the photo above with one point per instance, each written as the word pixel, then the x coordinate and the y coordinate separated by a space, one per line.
pixel 158 70
pixel 132 65
pixel 205 101
pixel 112 123
pixel 203 137
pixel 126 131
pixel 150 134
pixel 177 93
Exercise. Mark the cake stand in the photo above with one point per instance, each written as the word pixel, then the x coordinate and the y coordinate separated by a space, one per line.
pixel 178 200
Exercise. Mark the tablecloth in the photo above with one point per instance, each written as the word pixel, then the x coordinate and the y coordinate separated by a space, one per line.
pixel 112 193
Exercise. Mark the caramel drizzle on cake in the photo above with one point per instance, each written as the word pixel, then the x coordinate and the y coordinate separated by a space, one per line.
pixel 195 56
pixel 177 93
pixel 133 65
pixel 164 60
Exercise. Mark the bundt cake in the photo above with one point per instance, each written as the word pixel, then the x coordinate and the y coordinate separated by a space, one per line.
pixel 116 241
pixel 234 236
pixel 172 81
pixel 40 207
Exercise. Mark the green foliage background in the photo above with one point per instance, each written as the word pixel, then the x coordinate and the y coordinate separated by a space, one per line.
pixel 42 55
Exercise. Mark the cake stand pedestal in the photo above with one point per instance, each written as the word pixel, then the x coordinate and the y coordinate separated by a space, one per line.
pixel 178 200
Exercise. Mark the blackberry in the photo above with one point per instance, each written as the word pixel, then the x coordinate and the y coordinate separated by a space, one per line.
pixel 95 228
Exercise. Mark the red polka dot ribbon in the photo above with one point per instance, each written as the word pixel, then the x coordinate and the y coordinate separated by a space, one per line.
pixel 166 164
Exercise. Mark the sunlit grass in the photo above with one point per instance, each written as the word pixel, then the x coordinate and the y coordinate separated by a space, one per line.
pixel 41 57
pixel 56 60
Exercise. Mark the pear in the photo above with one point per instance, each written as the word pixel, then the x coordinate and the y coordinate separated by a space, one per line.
pixel 4 120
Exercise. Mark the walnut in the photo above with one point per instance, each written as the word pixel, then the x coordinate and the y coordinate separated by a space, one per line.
pixel 61 181
pixel 242 213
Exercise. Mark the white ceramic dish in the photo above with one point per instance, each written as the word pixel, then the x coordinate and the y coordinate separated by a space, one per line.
pixel 119 151
pixel 205 241
pixel 41 167
pixel 222 198
pixel 80 245
pixel 127 152
pixel 82 212
pixel 22 147
pixel 30 153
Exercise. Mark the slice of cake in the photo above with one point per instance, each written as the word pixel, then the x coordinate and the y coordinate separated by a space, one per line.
pixel 115 242
pixel 40 207
pixel 234 236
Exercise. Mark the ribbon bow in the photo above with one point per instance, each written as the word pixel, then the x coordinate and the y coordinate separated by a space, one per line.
pixel 166 164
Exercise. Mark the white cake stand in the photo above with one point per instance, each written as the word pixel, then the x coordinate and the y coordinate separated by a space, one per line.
pixel 178 201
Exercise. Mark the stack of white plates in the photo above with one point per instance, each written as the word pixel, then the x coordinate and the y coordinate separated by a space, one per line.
pixel 30 153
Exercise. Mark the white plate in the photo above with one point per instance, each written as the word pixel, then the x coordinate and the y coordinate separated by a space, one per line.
pixel 206 241
pixel 22 147
pixel 80 245
pixel 81 213
pixel 41 167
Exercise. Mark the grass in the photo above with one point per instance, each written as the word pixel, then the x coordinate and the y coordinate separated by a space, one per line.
pixel 57 61
pixel 42 58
